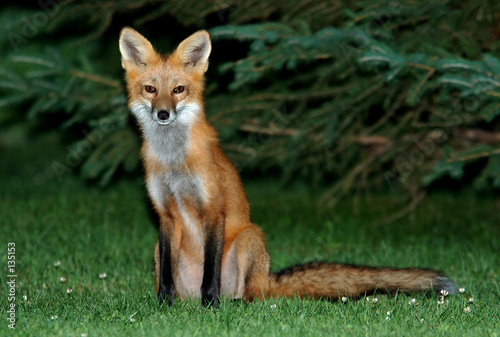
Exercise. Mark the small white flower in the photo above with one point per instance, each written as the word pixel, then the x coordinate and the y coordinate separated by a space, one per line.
pixel 368 299
pixel 62 279
pixel 25 297
pixel 388 318
pixel 44 286
pixel 467 310
pixel 69 291
pixel 344 299
pixel 131 317
pixel 412 301
pixel 471 299
pixel 55 317
pixel 102 275
pixel 444 292
pixel 57 264
pixel 388 313
pixel 461 290
pixel 273 306
pixel 441 300
pixel 375 300
pixel 421 320
pixel 83 335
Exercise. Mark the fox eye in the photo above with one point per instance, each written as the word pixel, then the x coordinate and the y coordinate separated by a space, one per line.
pixel 150 89
pixel 178 89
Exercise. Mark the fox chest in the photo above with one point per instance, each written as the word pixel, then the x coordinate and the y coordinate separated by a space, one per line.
pixel 176 192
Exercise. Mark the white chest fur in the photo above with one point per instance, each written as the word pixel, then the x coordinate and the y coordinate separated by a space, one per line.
pixel 179 187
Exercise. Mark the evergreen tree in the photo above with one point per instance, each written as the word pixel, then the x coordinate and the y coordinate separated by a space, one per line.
pixel 358 94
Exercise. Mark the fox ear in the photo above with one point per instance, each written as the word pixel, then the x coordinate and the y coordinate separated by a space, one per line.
pixel 193 52
pixel 135 48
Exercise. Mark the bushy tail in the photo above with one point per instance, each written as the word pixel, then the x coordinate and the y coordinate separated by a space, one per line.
pixel 327 280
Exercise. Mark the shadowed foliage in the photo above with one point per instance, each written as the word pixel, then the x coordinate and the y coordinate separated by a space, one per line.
pixel 356 95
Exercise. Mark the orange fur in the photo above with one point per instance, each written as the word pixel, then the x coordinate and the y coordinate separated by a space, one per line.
pixel 200 200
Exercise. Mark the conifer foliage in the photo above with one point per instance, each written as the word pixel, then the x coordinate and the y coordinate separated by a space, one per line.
pixel 356 94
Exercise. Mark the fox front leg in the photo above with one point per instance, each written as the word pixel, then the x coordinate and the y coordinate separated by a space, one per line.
pixel 165 280
pixel 210 287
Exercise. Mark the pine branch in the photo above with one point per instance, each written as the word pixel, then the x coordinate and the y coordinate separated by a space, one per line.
pixel 95 78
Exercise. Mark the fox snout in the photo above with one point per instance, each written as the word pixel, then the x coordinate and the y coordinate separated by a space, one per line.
pixel 163 116
pixel 145 113
pixel 184 113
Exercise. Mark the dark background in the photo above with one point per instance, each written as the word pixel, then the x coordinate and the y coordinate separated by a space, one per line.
pixel 355 97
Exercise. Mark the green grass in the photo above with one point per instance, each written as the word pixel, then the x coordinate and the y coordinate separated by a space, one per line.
pixel 93 231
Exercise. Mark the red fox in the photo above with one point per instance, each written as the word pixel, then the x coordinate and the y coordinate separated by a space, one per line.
pixel 207 246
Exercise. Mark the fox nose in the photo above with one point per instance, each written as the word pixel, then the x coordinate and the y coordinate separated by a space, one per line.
pixel 163 115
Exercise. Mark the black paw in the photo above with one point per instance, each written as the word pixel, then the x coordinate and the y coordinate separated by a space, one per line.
pixel 238 301
pixel 209 301
pixel 166 296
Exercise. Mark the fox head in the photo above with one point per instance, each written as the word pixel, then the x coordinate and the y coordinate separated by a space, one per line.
pixel 165 89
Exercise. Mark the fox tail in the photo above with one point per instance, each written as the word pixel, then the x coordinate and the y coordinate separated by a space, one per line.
pixel 333 281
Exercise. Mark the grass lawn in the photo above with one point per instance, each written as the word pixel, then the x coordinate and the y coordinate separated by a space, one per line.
pixel 90 231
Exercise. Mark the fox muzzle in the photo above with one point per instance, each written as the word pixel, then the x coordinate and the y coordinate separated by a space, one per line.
pixel 163 117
